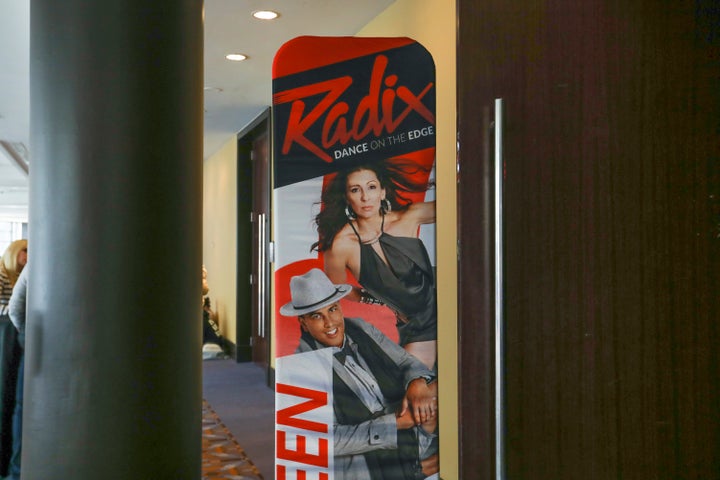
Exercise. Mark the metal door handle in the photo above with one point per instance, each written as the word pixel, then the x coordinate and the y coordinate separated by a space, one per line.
pixel 499 295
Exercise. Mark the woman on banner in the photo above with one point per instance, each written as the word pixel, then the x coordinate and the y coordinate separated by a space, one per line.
pixel 368 225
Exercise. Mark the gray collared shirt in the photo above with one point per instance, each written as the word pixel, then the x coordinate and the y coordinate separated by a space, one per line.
pixel 366 386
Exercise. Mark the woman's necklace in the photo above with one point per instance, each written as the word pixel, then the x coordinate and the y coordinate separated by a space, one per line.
pixel 374 239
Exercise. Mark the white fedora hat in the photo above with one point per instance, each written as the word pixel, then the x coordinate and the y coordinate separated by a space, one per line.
pixel 312 291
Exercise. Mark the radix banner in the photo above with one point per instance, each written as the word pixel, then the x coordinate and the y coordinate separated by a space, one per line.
pixel 354 227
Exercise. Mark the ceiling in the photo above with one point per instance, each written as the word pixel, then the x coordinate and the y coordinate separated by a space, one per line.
pixel 235 92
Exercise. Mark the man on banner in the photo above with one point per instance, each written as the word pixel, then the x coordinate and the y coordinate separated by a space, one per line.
pixel 384 399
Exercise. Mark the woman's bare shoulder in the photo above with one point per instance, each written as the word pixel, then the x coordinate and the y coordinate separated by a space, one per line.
pixel 344 240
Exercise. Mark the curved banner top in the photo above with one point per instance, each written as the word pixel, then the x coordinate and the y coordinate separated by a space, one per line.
pixel 346 102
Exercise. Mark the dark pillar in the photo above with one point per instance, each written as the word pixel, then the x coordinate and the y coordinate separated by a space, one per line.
pixel 113 365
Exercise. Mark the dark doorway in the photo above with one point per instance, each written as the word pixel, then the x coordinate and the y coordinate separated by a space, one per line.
pixel 253 282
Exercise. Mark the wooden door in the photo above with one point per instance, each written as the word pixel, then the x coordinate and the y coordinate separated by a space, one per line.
pixel 253 293
pixel 611 220
pixel 260 262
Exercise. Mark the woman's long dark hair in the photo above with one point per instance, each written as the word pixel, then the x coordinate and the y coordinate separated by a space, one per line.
pixel 396 176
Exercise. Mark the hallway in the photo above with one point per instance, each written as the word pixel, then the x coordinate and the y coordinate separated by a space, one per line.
pixel 238 393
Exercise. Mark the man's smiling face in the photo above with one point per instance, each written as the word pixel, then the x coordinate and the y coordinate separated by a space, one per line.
pixel 326 325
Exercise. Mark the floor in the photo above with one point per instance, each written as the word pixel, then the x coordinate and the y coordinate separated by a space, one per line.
pixel 239 395
pixel 244 408
pixel 222 456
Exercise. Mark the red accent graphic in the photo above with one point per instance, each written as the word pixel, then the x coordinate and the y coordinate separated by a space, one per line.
pixel 292 57
pixel 288 416
pixel 301 455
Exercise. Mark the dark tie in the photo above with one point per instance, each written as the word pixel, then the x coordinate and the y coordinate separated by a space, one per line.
pixel 344 352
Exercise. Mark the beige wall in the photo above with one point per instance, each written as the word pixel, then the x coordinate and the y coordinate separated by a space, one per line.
pixel 432 23
pixel 220 233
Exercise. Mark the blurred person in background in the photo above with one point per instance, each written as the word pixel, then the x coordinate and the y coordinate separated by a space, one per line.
pixel 214 345
pixel 16 310
pixel 12 264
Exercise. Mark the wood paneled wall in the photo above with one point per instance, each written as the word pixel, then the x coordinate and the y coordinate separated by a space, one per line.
pixel 612 236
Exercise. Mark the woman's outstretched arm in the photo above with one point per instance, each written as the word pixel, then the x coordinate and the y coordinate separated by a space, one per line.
pixel 423 212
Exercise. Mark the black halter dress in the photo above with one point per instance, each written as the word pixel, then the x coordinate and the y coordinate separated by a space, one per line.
pixel 406 283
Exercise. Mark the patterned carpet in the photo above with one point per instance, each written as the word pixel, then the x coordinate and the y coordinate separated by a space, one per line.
pixel 223 458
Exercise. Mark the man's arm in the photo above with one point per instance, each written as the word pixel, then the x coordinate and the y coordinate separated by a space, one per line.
pixel 377 434
pixel 420 384
pixel 410 367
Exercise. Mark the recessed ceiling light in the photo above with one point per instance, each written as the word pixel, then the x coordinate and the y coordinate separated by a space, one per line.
pixel 236 57
pixel 265 15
